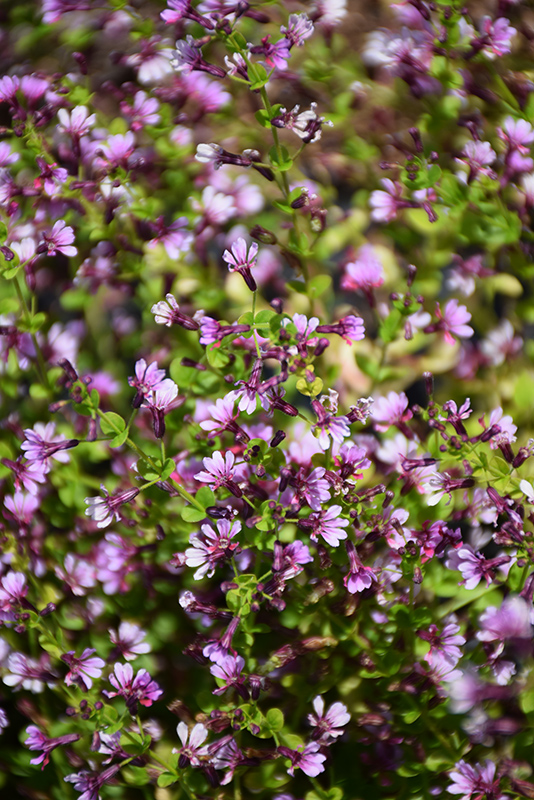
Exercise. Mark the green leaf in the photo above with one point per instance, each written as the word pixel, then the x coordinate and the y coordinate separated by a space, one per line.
pixel 261 77
pixel 192 514
pixel 137 776
pixel 112 423
pixel 216 357
pixel 119 439
pixel 205 496
pixel 168 468
pixel 166 779
pixel 274 719
pixel 280 158
pixel 310 389
pixel 389 327
pixel 319 285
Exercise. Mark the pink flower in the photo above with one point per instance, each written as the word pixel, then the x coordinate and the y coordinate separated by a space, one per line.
pixel 517 133
pixel 191 750
pixel 129 639
pixel 22 507
pixel 445 645
pixel 160 401
pixel 147 378
pixel 391 410
pixel 77 122
pixel 42 444
pixel 365 273
pixel 83 669
pixel 13 590
pixel 359 576
pixel 328 524
pixel 143 111
pixel 329 426
pixel 510 621
pixel 497 36
pixel 105 510
pixel 478 780
pixel 141 689
pixel 330 725
pixel 212 547
pixel 242 260
pixel 478 156
pixel 228 670
pixel 452 321
pixel 220 471
pixel 386 204
pixel 38 741
pixel 167 312
pixel 299 28
pixel 59 240
pixel 307 758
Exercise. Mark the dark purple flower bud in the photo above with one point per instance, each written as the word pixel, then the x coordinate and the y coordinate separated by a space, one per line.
pixel 263 235
pixel 277 438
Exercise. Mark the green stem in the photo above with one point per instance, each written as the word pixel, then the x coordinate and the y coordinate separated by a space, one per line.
pixel 258 351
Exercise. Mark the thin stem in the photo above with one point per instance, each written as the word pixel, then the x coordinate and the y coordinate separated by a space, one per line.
pixel 258 350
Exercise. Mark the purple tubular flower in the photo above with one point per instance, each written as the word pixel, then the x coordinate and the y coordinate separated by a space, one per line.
pixel 59 240
pixel 328 426
pixel 13 590
pixel 141 689
pixel 167 312
pixel 359 577
pixel 38 741
pixel 42 444
pixel 299 28
pixel 105 510
pixel 229 671
pixel 307 758
pixel 242 259
pixel 159 401
pixel 351 328
pixel 89 783
pixel 147 379
pixel 444 645
pixel 220 471
pixel 330 725
pixel 188 57
pixel 191 751
pixel 327 524
pixel 213 547
pixel 83 669
pixel 478 780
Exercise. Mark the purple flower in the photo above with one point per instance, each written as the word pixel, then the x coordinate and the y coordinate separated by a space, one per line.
pixel 129 639
pixel 223 417
pixel 78 574
pixel 330 725
pixel 176 240
pixel 38 741
pixel 59 240
pixel 510 621
pixel 228 670
pixel 328 426
pixel 478 780
pixel 351 328
pixel 188 57
pixel 276 53
pixel 452 321
pixel 359 576
pixel 105 510
pixel 497 36
pixel 444 645
pixel 299 28
pixel 307 125
pixel 167 312
pixel 391 410
pixel 23 672
pixel 220 471
pixel 13 590
pixel 213 547
pixel 89 783
pixel 191 750
pixel 42 444
pixel 118 149
pixel 478 156
pixel 22 507
pixel 143 111
pixel 385 205
pixel 242 259
pixel 365 273
pixel 307 758
pixel 77 122
pixel 147 379
pixel 160 401
pixel 328 524
pixel 517 133
pixel 83 669
pixel 313 489
pixel 141 689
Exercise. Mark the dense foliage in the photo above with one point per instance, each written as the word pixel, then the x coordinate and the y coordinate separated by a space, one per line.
pixel 266 313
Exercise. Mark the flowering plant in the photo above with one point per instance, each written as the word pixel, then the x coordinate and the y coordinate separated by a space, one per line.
pixel 267 523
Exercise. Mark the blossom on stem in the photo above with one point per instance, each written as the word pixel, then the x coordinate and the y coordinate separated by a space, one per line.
pixel 452 321
pixel 242 259
pixel 359 576
pixel 38 741
pixel 307 758
pixel 139 689
pixel 42 444
pixel 328 524
pixel 13 590
pixel 77 122
pixel 329 426
pixel 328 726
pixel 160 401
pixel 229 670
pixel 220 471
pixel 511 621
pixel 478 780
pixel 58 240
pixel 105 510
pixel 307 125
pixel 167 312
pixel 191 750
pixel 147 378
pixel 391 410
pixel 444 645
pixel 83 669
pixel 129 639
pixel 299 28
pixel 213 547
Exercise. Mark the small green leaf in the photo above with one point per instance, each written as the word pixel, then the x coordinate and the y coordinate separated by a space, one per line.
pixel 274 719
pixel 192 514
pixel 168 468
pixel 205 496
pixel 166 779
pixel 119 439
pixel 112 423
pixel 310 389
